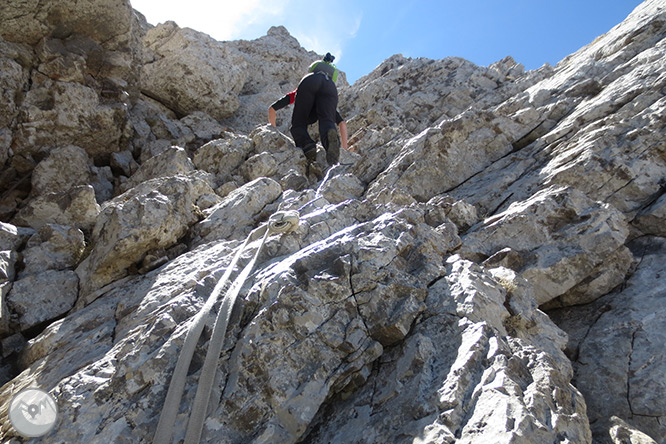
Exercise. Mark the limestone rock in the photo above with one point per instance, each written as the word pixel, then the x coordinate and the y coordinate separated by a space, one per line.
pixel 57 113
pixel 5 315
pixel 617 348
pixel 281 148
pixel 443 207
pixel 453 377
pixel 293 180
pixel 307 297
pixel 203 126
pixel 150 120
pixel 259 165
pixel 5 142
pixel 155 214
pixel 7 265
pixel 53 247
pixel 31 20
pixel 565 238
pixel 222 156
pixel 652 220
pixel 596 133
pixel 171 162
pixel 8 261
pixel 342 187
pixel 64 169
pixel 154 148
pixel 156 128
pixel 409 88
pixel 621 433
pixel 105 66
pixel 14 77
pixel 76 207
pixel 192 72
pixel 407 304
pixel 12 237
pixel 445 156
pixel 232 217
pixel 43 297
pixel 124 163
pixel 80 74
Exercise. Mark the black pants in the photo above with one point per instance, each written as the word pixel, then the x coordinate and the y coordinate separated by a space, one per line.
pixel 316 96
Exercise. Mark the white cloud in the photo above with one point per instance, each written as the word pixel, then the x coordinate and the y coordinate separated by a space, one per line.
pixel 222 20
pixel 328 28
pixel 318 26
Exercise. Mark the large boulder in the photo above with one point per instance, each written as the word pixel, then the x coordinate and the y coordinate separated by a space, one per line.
pixel 223 156
pixel 189 71
pixel 233 217
pixel 76 207
pixel 170 162
pixel 565 240
pixel 155 214
pixel 56 113
pixel 64 169
pixel 53 247
pixel 44 297
pixel 28 21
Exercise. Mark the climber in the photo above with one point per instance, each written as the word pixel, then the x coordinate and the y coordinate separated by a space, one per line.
pixel 289 98
pixel 317 98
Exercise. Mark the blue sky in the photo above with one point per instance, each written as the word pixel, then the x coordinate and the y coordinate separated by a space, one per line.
pixel 361 34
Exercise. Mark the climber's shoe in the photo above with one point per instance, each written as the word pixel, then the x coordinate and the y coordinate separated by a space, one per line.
pixel 310 151
pixel 333 151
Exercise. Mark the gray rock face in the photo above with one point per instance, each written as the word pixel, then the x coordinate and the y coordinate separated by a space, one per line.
pixel 53 247
pixel 32 297
pixel 231 217
pixel 487 266
pixel 222 156
pixel 170 162
pixel 14 77
pixel 64 169
pixel 460 373
pixel 153 215
pixel 189 71
pixel 77 207
pixel 60 113
pixel 619 361
pixel 28 21
pixel 564 239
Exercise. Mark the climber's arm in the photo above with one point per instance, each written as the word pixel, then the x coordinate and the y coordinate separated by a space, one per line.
pixel 343 129
pixel 279 104
pixel 343 134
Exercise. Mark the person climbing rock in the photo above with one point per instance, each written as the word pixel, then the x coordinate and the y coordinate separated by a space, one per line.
pixel 289 98
pixel 316 99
